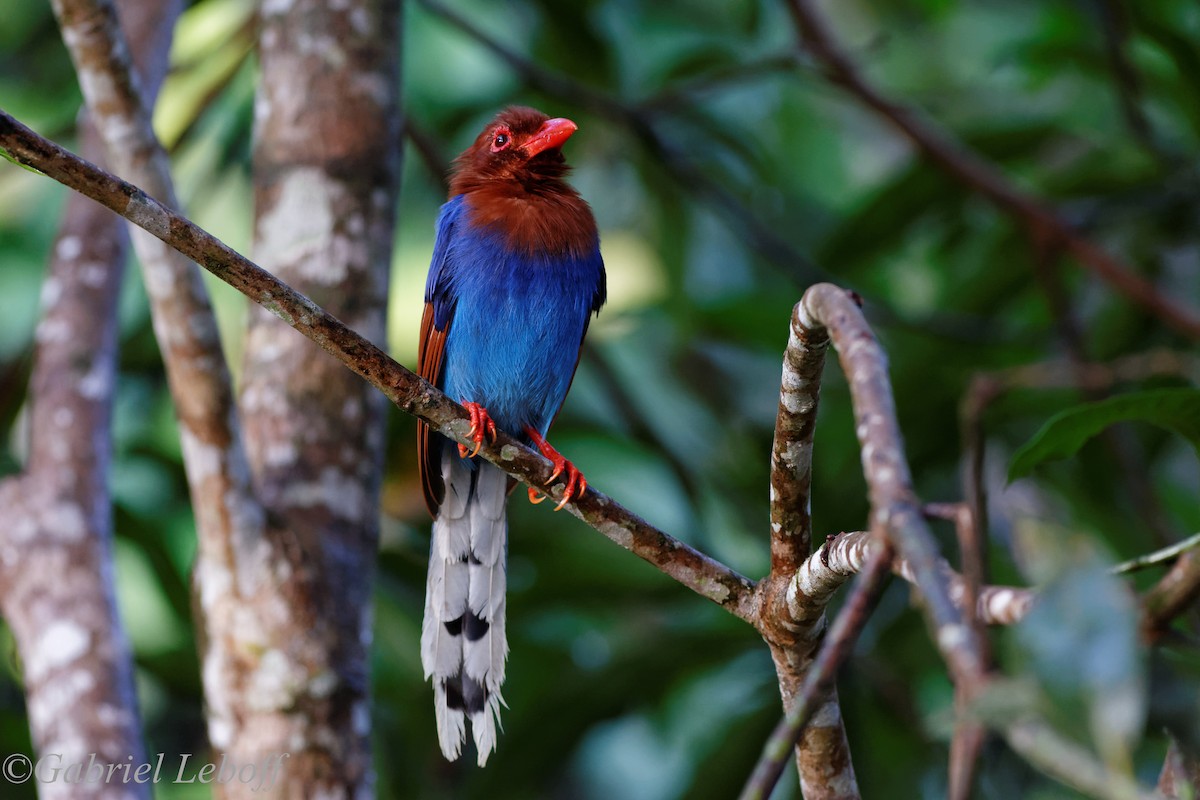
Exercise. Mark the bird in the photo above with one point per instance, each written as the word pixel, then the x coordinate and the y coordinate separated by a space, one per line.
pixel 514 281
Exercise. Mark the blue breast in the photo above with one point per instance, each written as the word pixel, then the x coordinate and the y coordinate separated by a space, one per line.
pixel 518 320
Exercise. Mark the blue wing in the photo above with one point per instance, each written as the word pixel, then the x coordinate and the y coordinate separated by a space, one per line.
pixel 502 327
pixel 435 326
pixel 519 321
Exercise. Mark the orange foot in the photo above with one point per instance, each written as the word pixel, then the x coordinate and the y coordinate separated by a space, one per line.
pixel 576 483
pixel 481 425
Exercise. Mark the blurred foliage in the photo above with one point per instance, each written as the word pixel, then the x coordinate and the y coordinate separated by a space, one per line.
pixel 1176 410
pixel 760 179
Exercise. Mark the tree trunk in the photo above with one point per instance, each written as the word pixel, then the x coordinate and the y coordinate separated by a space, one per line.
pixel 326 159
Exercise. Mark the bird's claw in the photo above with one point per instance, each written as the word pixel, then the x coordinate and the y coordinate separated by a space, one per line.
pixel 481 426
pixel 576 484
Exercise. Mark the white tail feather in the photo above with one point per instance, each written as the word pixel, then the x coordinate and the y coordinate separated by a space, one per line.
pixel 463 646
pixel 451 724
pixel 485 726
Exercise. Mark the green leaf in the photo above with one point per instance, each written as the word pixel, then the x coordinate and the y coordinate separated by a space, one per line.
pixel 7 156
pixel 1176 410
pixel 1080 644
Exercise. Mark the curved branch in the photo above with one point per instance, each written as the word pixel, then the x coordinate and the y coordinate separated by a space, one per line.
pixel 698 572
pixel 895 511
pixel 894 505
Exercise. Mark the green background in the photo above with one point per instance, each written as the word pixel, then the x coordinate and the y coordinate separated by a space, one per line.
pixel 765 179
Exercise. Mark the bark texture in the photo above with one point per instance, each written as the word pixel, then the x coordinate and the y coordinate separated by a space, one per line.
pixel 326 161
pixel 56 570
pixel 56 542
pixel 794 631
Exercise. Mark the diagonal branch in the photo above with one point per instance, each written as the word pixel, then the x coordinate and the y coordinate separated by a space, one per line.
pixel 1174 593
pixel 411 394
pixel 1042 222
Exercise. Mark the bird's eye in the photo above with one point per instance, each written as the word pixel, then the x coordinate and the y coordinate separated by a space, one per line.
pixel 500 141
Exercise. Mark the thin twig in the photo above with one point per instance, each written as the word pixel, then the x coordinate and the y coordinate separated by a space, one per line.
pixel 985 177
pixel 1174 593
pixel 405 389
pixel 1114 25
pixel 1067 762
pixel 987 387
pixel 1096 375
pixel 966 744
pixel 678 95
pixel 967 740
pixel 427 148
pixel 1157 557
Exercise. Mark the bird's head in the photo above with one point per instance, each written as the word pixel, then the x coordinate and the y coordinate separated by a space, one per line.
pixel 521 145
